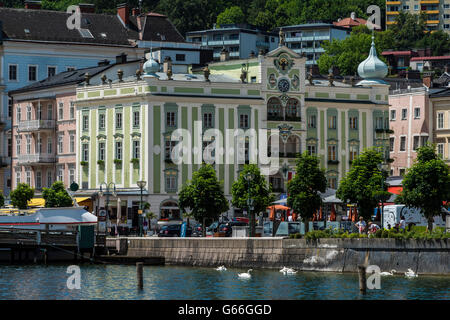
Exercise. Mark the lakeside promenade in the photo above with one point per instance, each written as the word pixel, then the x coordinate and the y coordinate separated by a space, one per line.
pixel 431 257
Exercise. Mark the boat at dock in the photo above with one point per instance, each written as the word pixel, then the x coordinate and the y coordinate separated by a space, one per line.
pixel 51 219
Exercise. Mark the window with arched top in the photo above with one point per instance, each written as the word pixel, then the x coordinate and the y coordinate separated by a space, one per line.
pixel 292 108
pixel 274 109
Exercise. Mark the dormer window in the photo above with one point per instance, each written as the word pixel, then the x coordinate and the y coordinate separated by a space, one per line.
pixel 85 33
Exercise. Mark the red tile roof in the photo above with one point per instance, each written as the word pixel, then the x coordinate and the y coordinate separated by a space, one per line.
pixel 430 58
pixel 349 22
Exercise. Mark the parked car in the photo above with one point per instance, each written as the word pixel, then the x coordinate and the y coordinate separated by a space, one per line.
pixel 197 230
pixel 228 227
pixel 173 230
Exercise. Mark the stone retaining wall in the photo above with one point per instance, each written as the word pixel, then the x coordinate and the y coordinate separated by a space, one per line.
pixel 337 255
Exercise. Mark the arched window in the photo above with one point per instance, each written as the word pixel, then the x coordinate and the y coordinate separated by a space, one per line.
pixel 170 210
pixel 274 110
pixel 292 108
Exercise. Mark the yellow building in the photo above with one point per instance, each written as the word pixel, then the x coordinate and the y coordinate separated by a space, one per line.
pixel 437 11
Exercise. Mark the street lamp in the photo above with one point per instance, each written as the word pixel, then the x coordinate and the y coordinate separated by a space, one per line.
pixel 383 167
pixel 141 185
pixel 108 193
pixel 249 177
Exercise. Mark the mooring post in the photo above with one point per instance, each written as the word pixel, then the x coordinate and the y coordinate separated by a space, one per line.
pixel 45 256
pixel 362 279
pixel 140 277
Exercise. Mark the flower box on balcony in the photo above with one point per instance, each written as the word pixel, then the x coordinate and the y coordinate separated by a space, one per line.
pixel 84 163
pixel 101 163
pixel 333 161
pixel 135 161
pixel 118 161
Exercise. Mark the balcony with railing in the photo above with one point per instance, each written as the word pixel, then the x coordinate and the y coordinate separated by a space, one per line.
pixel 34 159
pixel 36 125
pixel 280 117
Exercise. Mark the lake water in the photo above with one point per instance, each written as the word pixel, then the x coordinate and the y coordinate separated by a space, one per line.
pixel 173 282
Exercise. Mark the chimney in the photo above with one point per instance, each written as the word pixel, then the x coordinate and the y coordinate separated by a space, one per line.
pixel 427 79
pixel 135 12
pixel 121 58
pixel 87 7
pixel 224 55
pixel 167 64
pixel 124 13
pixel 353 16
pixel 35 5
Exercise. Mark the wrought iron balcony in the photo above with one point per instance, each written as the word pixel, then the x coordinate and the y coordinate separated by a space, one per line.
pixel 38 158
pixel 36 125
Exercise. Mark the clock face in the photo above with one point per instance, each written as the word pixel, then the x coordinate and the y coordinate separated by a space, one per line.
pixel 283 85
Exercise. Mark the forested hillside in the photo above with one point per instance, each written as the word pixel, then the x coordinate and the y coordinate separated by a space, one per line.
pixel 191 15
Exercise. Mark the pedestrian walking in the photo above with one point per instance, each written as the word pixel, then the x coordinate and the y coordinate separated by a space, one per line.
pixel 361 225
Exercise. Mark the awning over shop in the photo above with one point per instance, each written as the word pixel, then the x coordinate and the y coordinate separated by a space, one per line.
pixel 395 190
pixel 36 202
pixel 82 199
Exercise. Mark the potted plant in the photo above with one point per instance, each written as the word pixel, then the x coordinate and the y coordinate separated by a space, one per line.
pixel 135 161
pixel 101 163
pixel 118 161
pixel 84 163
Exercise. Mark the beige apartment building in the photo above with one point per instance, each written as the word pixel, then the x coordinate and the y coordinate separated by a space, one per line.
pixel 437 11
pixel 441 129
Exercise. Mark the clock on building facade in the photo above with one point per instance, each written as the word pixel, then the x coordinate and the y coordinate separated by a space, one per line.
pixel 284 85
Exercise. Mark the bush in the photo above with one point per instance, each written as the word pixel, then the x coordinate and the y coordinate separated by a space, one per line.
pixel 21 196
pixel 417 233
pixel 57 196
pixel 2 200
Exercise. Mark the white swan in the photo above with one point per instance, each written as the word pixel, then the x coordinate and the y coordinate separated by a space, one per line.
pixel 221 268
pixel 246 275
pixel 388 273
pixel 289 271
pixel 284 269
pixel 410 274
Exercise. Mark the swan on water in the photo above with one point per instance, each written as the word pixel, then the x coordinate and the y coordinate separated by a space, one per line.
pixel 388 273
pixel 284 269
pixel 246 275
pixel 289 271
pixel 221 268
pixel 410 274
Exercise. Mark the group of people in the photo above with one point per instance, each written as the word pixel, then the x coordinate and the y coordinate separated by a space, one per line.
pixel 372 228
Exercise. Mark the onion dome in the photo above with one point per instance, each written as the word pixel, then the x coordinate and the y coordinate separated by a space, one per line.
pixel 151 67
pixel 372 69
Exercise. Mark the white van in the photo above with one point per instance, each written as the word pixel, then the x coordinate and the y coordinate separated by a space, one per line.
pixel 413 216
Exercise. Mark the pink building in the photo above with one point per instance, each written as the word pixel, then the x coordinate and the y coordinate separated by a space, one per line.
pixel 411 120
pixel 44 129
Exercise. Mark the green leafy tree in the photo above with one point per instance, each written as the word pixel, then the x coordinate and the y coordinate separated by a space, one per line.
pixel 204 196
pixel 304 189
pixel 364 184
pixel 21 195
pixel 231 15
pixel 2 200
pixel 56 196
pixel 408 30
pixel 348 53
pixel 260 192
pixel 426 184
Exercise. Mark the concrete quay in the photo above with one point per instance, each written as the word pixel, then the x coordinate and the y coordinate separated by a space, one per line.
pixel 430 257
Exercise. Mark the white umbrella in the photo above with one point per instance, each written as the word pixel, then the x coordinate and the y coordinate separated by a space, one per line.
pixel 281 201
